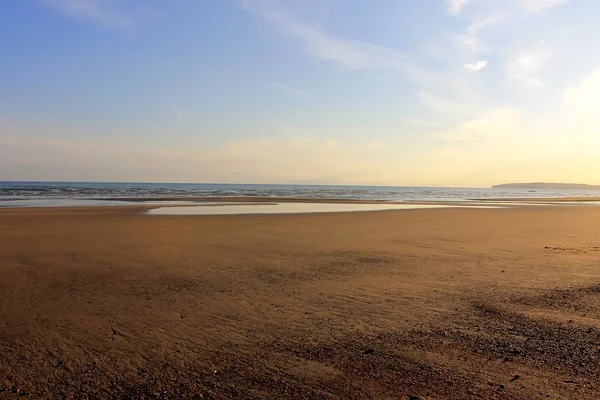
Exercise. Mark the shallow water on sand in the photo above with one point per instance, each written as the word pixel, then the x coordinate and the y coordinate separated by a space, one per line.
pixel 294 208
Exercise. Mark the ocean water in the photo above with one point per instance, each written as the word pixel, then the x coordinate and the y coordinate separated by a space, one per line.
pixel 55 193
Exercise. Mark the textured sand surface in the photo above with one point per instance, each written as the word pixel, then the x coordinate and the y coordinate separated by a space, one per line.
pixel 444 304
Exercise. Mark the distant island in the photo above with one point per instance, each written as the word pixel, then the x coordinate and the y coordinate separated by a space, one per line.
pixel 543 185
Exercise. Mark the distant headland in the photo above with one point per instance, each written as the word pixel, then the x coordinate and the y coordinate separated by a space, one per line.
pixel 544 185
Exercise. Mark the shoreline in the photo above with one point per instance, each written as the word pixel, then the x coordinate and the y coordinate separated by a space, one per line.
pixel 345 200
pixel 159 202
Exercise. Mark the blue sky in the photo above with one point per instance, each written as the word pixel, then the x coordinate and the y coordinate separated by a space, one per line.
pixel 396 92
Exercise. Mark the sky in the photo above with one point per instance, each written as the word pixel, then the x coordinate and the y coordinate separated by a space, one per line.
pixel 378 92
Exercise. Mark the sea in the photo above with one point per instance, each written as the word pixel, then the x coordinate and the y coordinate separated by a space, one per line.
pixel 24 194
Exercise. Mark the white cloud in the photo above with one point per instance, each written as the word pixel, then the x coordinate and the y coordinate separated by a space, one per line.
pixel 477 66
pixel 287 89
pixel 541 5
pixel 96 11
pixel 524 65
pixel 456 6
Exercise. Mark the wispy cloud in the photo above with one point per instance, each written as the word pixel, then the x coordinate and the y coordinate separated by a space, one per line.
pixel 96 11
pixel 473 39
pixel 541 5
pixel 583 100
pixel 456 6
pixel 525 64
pixel 441 106
pixel 353 55
pixel 287 89
pixel 486 33
pixel 536 148
pixel 420 122
pixel 488 14
pixel 476 66
pixel 491 125
pixel 26 152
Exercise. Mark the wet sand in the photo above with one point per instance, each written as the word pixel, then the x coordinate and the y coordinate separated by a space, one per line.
pixel 414 304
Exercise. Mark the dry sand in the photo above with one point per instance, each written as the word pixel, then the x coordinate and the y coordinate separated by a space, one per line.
pixel 442 304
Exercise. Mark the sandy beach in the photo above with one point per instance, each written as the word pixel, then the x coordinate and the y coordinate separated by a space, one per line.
pixel 411 304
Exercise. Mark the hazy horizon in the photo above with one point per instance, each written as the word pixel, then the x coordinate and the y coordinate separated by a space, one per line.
pixel 445 93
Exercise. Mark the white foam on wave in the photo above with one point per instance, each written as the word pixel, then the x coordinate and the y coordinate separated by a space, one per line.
pixel 82 203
